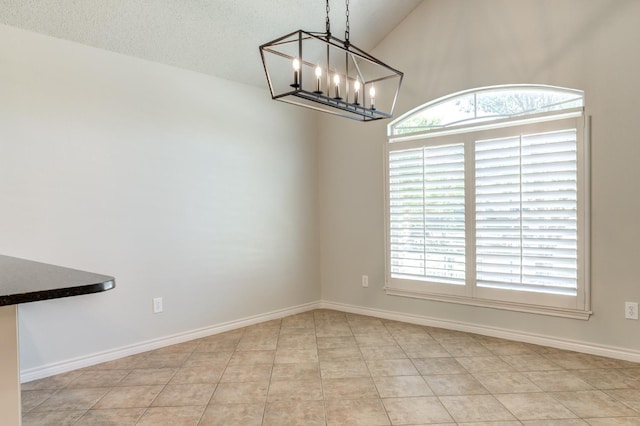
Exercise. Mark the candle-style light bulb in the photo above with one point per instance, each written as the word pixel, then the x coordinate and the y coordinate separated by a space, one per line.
pixel 372 95
pixel 318 75
pixel 296 70
pixel 356 89
pixel 336 81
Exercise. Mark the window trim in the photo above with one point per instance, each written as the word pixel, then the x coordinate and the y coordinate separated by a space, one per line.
pixel 579 306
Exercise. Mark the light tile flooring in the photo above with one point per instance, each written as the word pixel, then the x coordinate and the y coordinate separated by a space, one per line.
pixel 331 368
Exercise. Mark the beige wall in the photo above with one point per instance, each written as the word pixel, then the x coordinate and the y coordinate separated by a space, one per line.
pixel 446 46
pixel 181 185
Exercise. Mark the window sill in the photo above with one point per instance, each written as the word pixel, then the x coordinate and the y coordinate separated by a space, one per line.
pixel 495 304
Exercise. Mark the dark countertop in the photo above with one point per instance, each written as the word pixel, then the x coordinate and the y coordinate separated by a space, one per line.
pixel 23 281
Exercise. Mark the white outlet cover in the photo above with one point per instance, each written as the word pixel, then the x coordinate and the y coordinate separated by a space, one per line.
pixel 631 310
pixel 365 281
pixel 157 305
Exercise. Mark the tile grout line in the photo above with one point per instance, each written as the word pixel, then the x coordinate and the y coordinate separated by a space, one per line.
pixel 324 400
pixel 273 363
pixel 386 413
pixel 156 397
pixel 219 378
pixel 214 389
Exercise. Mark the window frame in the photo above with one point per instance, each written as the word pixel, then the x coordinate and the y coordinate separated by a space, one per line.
pixel 578 306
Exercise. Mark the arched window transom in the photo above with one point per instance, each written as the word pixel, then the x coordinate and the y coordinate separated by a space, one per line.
pixel 485 105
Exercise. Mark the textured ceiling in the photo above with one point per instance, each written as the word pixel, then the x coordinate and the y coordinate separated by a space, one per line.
pixel 217 37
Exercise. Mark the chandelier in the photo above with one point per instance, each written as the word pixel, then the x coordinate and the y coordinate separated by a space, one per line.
pixel 319 71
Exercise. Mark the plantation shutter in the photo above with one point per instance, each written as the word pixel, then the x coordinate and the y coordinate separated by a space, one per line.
pixel 526 212
pixel 426 217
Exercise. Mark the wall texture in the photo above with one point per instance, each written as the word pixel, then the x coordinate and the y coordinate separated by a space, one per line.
pixel 184 186
pixel 446 46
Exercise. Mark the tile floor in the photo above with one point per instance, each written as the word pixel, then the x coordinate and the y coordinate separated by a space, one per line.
pixel 331 368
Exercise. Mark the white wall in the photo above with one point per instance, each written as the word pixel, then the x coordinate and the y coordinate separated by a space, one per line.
pixel 446 46
pixel 179 184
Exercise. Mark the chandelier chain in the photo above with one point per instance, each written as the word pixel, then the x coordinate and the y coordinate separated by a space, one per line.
pixel 328 23
pixel 346 31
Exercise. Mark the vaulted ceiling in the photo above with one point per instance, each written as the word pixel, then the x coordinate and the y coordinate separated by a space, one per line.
pixel 216 37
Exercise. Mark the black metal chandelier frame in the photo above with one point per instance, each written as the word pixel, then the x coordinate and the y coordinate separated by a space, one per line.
pixel 353 102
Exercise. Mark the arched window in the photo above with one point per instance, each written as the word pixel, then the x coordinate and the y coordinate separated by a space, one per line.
pixel 486 200
pixel 493 105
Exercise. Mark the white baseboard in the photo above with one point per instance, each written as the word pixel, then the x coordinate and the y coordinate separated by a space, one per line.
pixel 519 336
pixel 110 355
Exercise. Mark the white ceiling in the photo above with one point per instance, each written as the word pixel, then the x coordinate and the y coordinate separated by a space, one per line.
pixel 217 37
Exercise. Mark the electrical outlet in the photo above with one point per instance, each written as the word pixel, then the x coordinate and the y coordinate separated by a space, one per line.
pixel 631 310
pixel 157 305
pixel 365 281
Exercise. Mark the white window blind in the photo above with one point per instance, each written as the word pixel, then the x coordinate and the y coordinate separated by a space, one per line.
pixel 526 213
pixel 427 214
